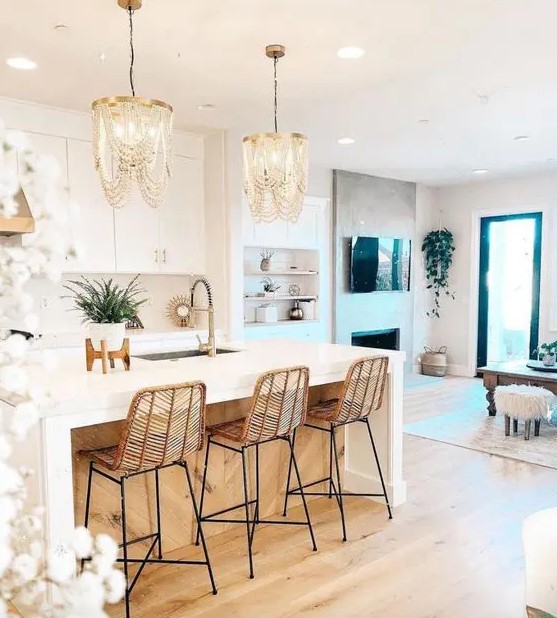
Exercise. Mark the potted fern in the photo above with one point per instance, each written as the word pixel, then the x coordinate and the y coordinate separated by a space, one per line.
pixel 106 307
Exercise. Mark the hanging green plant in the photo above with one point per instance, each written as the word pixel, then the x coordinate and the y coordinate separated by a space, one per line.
pixel 438 247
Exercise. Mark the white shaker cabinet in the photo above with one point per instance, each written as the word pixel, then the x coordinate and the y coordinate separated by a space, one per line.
pixel 92 224
pixel 169 239
pixel 182 225
pixel 137 236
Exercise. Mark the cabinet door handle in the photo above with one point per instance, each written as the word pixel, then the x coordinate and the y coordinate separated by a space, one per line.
pixel 164 256
pixel 157 256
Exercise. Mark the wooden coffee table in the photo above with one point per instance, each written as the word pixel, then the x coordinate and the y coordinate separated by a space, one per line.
pixel 516 372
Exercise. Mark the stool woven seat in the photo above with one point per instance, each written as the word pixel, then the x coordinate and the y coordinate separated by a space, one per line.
pixel 231 430
pixel 324 410
pixel 105 457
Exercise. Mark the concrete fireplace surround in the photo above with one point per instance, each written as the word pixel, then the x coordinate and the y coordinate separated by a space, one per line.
pixel 369 206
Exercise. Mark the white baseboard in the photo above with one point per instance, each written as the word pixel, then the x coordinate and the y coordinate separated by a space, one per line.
pixel 460 370
pixel 452 370
pixel 356 482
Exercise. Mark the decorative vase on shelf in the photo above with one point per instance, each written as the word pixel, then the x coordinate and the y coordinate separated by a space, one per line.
pixel 265 264
pixel 296 313
pixel 114 334
pixel 548 360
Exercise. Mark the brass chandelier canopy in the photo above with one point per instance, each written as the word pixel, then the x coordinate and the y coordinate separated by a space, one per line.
pixel 275 166
pixel 132 139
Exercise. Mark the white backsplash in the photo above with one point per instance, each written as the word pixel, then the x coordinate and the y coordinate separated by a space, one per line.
pixel 55 313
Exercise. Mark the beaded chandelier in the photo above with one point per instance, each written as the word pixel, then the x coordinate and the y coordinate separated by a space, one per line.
pixel 275 166
pixel 132 140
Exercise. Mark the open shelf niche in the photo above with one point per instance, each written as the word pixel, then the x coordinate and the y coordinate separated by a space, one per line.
pixel 289 266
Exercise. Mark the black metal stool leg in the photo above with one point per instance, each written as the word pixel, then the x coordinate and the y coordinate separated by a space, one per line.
pixel 302 494
pixel 203 483
pixel 379 468
pixel 199 528
pixel 337 467
pixel 515 425
pixel 330 466
pixel 256 507
pixel 507 425
pixel 286 495
pixel 246 504
pixel 537 423
pixel 88 502
pixel 157 497
pixel 125 542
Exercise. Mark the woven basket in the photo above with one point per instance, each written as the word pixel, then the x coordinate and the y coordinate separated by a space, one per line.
pixel 434 362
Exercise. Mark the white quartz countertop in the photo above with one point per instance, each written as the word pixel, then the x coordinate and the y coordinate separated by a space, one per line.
pixel 228 376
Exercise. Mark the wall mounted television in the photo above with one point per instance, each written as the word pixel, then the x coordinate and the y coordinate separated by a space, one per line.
pixel 379 265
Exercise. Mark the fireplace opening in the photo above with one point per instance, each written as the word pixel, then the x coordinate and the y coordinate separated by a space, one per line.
pixel 385 339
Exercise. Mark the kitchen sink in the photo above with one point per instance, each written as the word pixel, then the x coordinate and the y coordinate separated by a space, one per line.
pixel 160 356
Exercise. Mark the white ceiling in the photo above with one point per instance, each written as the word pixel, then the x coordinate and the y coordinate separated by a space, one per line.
pixel 480 71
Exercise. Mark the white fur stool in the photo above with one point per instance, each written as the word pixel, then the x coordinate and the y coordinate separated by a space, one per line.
pixel 527 403
pixel 539 536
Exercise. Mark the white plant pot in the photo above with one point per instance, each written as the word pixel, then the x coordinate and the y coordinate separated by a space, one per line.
pixel 113 333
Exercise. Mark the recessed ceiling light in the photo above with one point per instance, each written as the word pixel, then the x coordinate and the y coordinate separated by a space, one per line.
pixel 102 56
pixel 61 27
pixel 345 141
pixel 479 172
pixel 350 53
pixel 23 64
pixel 423 120
pixel 206 107
pixel 521 138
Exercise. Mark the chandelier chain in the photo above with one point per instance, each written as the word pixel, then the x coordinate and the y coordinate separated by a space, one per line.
pixel 275 61
pixel 132 53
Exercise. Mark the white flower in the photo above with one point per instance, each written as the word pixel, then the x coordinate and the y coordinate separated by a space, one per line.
pixel 86 592
pixel 47 168
pixel 82 542
pixel 8 509
pixel 23 418
pixel 105 556
pixel 115 585
pixel 24 567
pixel 5 448
pixel 59 568
pixel 13 378
pixel 15 346
pixel 106 546
pixel 6 556
pixel 10 480
pixel 16 140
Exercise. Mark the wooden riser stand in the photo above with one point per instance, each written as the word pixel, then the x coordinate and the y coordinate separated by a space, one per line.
pixel 107 357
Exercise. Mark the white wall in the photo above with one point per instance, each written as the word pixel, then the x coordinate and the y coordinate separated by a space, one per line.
pixel 459 209
pixel 425 212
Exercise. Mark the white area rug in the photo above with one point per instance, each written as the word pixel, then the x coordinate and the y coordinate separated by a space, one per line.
pixel 472 428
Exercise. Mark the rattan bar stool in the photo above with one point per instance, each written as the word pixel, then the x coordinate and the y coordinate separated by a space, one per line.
pixel 163 426
pixel 362 394
pixel 278 406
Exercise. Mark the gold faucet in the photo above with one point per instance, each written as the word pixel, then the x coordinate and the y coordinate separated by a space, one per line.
pixel 211 346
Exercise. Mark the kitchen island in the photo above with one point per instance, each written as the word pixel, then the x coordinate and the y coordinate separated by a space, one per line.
pixel 88 410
